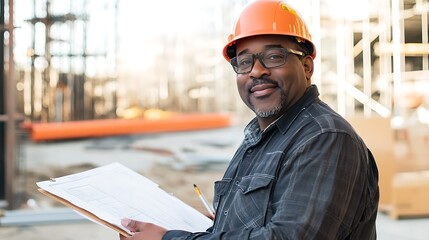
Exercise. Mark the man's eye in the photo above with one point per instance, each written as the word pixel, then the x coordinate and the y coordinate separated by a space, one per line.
pixel 275 57
pixel 245 62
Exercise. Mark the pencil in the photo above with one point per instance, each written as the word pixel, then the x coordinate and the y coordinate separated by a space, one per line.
pixel 204 200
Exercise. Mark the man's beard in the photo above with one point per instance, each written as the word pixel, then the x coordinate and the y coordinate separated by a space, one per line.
pixel 267 114
pixel 273 112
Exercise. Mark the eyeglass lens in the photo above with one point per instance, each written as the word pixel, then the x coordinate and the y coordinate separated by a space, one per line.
pixel 269 58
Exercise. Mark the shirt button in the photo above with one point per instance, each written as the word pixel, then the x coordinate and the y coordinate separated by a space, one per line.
pixel 225 213
pixel 249 151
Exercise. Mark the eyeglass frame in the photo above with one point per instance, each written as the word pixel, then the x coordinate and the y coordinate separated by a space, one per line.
pixel 258 56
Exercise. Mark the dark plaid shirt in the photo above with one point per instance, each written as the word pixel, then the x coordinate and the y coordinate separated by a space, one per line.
pixel 307 176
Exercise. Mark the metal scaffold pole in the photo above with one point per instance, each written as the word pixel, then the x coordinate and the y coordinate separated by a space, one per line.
pixel 2 111
pixel 11 115
pixel 398 58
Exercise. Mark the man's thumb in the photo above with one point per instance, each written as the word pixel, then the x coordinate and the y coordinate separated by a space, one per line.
pixel 129 224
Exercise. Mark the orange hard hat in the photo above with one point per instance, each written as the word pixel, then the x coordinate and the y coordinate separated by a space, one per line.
pixel 262 17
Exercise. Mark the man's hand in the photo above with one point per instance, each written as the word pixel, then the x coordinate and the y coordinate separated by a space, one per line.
pixel 142 230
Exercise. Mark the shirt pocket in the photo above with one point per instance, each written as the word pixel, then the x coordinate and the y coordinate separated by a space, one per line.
pixel 220 188
pixel 252 199
pixel 253 183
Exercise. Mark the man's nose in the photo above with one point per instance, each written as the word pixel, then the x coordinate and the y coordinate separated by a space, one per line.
pixel 259 68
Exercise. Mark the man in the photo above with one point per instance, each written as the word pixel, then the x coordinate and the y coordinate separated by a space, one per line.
pixel 301 172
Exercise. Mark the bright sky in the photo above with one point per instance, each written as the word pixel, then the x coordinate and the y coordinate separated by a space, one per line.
pixel 139 25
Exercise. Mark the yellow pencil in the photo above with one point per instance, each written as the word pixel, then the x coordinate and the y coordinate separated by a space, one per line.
pixel 204 200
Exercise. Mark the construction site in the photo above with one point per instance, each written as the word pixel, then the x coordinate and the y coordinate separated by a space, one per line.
pixel 86 83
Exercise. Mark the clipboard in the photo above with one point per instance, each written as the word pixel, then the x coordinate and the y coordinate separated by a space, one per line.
pixel 86 213
pixel 112 192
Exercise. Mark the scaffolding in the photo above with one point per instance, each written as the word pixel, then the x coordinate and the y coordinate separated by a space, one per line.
pixel 72 65
pixel 379 58
pixel 62 76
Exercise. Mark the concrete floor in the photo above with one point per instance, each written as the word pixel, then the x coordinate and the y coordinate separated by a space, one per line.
pixel 388 229
pixel 41 156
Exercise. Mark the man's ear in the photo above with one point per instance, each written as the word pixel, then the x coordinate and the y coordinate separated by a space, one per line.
pixel 308 66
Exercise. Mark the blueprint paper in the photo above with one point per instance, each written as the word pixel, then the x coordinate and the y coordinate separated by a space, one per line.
pixel 114 192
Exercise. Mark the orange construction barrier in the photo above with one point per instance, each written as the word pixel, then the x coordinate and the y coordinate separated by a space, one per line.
pixel 110 127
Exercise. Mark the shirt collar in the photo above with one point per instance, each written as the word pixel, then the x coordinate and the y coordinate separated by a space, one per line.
pixel 252 132
pixel 310 96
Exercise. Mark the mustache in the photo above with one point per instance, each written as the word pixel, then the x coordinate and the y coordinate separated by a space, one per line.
pixel 258 81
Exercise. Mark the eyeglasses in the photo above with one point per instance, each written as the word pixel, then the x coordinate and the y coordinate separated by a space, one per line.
pixel 270 58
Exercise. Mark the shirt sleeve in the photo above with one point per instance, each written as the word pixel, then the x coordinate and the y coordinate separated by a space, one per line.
pixel 320 193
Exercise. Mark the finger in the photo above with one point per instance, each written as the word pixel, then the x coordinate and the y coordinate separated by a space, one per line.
pixel 125 222
pixel 132 225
